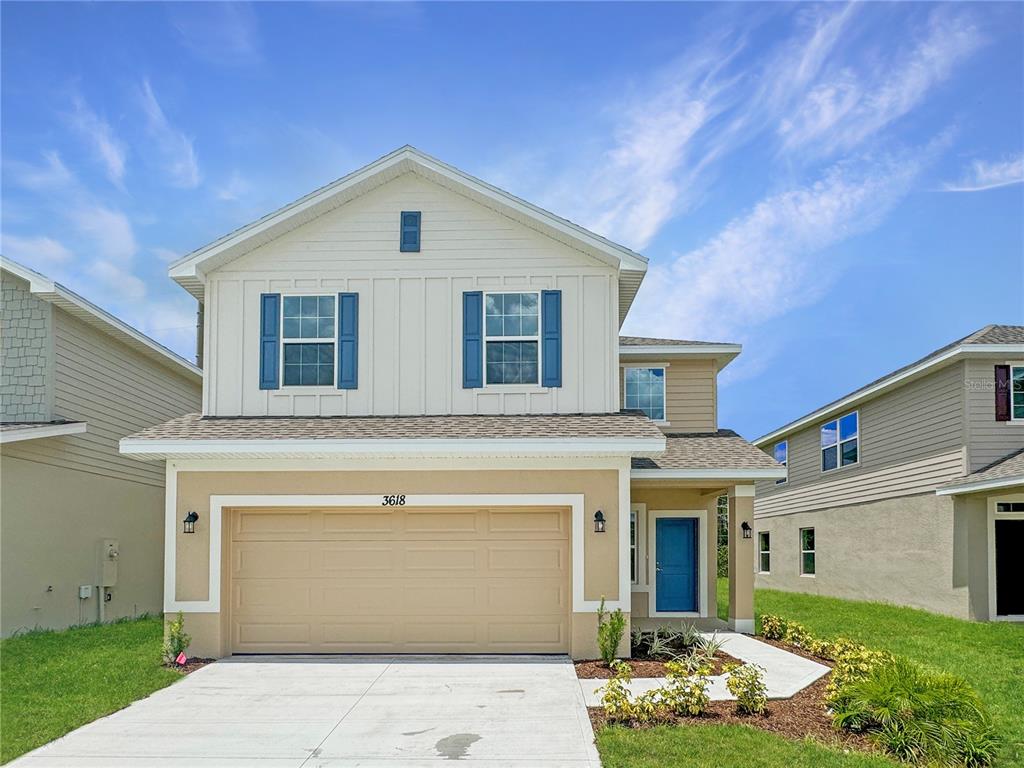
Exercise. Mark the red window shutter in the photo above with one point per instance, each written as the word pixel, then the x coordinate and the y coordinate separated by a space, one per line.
pixel 1002 393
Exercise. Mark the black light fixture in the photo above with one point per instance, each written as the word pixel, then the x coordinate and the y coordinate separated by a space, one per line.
pixel 599 522
pixel 747 530
pixel 190 521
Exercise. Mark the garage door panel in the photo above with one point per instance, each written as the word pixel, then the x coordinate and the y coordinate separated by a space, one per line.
pixel 400 580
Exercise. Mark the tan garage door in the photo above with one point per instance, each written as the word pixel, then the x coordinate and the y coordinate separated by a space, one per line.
pixel 400 580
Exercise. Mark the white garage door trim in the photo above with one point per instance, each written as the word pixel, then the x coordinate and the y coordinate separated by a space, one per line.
pixel 217 504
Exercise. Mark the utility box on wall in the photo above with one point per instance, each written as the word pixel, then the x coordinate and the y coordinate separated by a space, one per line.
pixel 109 554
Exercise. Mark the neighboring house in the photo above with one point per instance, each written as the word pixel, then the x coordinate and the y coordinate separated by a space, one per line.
pixel 81 525
pixel 909 490
pixel 412 436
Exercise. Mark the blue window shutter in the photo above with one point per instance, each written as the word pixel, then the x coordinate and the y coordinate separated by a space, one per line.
pixel 551 338
pixel 410 237
pixel 348 341
pixel 472 339
pixel 270 348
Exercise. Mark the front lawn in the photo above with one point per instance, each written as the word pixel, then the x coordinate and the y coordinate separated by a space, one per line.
pixel 54 682
pixel 989 655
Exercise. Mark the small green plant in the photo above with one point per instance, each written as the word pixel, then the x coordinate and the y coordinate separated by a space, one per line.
pixel 618 707
pixel 176 639
pixel 610 629
pixel 685 691
pixel 746 683
pixel 918 715
pixel 773 627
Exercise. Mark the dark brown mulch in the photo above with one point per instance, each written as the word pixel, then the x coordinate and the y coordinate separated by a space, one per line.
pixel 797 650
pixel 191 665
pixel 794 718
pixel 595 669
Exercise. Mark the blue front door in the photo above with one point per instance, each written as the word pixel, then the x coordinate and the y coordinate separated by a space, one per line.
pixel 676 564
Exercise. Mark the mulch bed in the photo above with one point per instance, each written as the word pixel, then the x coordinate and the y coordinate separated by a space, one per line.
pixel 595 669
pixel 192 665
pixel 796 650
pixel 795 718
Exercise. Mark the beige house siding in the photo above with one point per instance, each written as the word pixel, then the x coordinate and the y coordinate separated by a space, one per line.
pixel 911 440
pixel 410 309
pixel 116 391
pixel 691 390
pixel 988 440
pixel 26 353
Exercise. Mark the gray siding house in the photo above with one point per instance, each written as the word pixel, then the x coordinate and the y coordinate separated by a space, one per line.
pixel 909 490
pixel 81 526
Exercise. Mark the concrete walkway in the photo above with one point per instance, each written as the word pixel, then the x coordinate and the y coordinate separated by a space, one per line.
pixel 785 673
pixel 329 712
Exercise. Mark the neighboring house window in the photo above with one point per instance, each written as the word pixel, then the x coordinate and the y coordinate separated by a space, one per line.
pixel 307 336
pixel 782 456
pixel 512 335
pixel 632 548
pixel 764 552
pixel 645 391
pixel 1017 392
pixel 806 551
pixel 839 443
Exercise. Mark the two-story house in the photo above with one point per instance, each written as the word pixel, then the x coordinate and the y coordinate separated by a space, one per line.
pixel 80 524
pixel 421 432
pixel 909 490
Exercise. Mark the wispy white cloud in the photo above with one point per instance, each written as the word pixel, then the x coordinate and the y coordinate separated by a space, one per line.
pixel 51 174
pixel 176 150
pixel 39 251
pixel 165 254
pixel 233 188
pixel 107 147
pixel 984 175
pixel 109 230
pixel 117 280
pixel 220 33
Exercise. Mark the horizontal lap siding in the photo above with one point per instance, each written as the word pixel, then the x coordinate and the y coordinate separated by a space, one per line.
pixel 988 440
pixel 911 440
pixel 410 305
pixel 116 391
pixel 690 392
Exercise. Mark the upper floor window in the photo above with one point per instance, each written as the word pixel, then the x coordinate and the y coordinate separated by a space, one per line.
pixel 782 456
pixel 839 442
pixel 645 391
pixel 512 335
pixel 308 330
pixel 1017 392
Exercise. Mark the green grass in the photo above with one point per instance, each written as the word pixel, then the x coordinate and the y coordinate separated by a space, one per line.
pixel 989 655
pixel 54 682
pixel 714 746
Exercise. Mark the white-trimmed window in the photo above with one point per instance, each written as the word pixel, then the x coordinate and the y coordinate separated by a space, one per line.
pixel 807 564
pixel 1017 392
pixel 781 453
pixel 645 391
pixel 308 335
pixel 840 444
pixel 512 338
pixel 764 552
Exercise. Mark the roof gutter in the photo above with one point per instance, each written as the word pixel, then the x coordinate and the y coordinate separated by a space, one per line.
pixel 768 473
pixel 682 349
pixel 37 433
pixel 980 485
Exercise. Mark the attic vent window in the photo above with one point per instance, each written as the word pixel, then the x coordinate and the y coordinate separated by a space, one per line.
pixel 410 232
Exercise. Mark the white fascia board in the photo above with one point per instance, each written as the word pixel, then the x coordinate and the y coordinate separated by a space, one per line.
pixel 889 382
pixel 981 485
pixel 157 449
pixel 36 433
pixel 708 474
pixel 682 349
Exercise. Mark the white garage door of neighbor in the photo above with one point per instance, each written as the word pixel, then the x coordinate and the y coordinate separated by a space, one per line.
pixel 400 580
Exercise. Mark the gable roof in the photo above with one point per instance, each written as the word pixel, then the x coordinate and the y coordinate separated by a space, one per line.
pixel 89 313
pixel 189 271
pixel 990 340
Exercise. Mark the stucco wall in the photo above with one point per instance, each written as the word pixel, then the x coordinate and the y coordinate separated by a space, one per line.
pixel 54 520
pixel 909 551
pixel 26 391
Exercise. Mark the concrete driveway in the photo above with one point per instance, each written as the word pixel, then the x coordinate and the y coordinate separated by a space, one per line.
pixel 320 712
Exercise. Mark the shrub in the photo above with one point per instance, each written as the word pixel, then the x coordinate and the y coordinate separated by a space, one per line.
pixel 852 663
pixel 685 691
pixel 176 640
pixel 610 629
pixel 723 561
pixel 618 707
pixel 773 627
pixel 746 683
pixel 918 715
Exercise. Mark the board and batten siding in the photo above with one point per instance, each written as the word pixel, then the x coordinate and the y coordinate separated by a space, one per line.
pixel 410 309
pixel 911 440
pixel 988 440
pixel 690 391
pixel 116 391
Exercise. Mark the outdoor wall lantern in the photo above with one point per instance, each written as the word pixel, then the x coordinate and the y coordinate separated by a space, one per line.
pixel 190 521
pixel 599 522
pixel 747 530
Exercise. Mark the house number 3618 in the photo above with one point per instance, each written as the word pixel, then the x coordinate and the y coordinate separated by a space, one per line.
pixel 393 501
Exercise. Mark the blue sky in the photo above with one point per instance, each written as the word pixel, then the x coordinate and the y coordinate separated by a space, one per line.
pixel 838 187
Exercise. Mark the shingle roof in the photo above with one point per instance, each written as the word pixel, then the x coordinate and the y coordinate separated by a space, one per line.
pixel 723 449
pixel 30 426
pixel 624 425
pixel 990 334
pixel 1006 468
pixel 648 341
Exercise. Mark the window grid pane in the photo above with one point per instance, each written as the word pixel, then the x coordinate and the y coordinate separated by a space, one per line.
pixel 645 391
pixel 308 317
pixel 512 314
pixel 512 362
pixel 307 365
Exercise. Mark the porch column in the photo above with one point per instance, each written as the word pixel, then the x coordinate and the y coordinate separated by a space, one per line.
pixel 741 559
